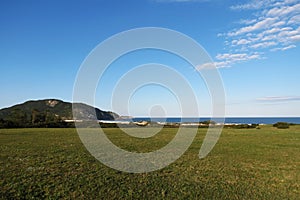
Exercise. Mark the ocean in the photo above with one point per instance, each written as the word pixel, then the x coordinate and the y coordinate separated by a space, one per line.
pixel 235 120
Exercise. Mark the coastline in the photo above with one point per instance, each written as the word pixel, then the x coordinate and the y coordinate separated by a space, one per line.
pixel 226 120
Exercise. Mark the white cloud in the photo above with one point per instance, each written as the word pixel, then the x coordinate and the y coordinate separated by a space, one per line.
pixel 252 5
pixel 286 10
pixel 212 65
pixel 284 2
pixel 233 57
pixel 276 30
pixel 295 38
pixel 276 27
pixel 294 20
pixel 288 33
pixel 263 45
pixel 259 25
pixel 284 48
pixel 229 59
pixel 241 42
pixel 247 21
pixel 268 37
pixel 263 4
pixel 273 30
pixel 280 23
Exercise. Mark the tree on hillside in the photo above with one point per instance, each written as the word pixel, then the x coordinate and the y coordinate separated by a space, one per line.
pixel 37 117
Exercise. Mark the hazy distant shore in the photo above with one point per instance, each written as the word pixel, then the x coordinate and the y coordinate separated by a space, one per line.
pixel 227 120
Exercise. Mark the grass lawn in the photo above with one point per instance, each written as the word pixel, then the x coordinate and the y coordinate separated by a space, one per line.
pixel 245 164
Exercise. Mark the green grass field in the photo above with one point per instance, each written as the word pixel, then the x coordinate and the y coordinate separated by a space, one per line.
pixel 245 164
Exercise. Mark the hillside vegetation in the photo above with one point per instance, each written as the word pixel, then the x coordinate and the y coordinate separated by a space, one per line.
pixel 49 113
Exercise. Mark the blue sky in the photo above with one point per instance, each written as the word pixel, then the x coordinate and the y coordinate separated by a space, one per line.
pixel 253 43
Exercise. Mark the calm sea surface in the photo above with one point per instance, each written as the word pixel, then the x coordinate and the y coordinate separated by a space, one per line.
pixel 238 120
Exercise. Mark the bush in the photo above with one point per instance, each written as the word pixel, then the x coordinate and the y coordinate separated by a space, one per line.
pixel 208 122
pixel 281 125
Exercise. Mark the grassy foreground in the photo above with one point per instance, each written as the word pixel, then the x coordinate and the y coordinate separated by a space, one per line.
pixel 245 164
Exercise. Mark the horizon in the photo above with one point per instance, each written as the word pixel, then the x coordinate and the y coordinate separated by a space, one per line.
pixel 152 116
pixel 253 44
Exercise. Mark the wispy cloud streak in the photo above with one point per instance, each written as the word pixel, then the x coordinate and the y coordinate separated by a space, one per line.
pixel 279 98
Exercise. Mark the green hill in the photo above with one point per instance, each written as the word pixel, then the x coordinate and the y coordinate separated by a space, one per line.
pixel 49 113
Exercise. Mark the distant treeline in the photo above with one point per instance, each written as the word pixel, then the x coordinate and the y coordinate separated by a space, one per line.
pixel 18 118
pixel 46 120
pixel 41 124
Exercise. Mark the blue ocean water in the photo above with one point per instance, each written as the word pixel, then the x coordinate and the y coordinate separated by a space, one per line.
pixel 236 120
